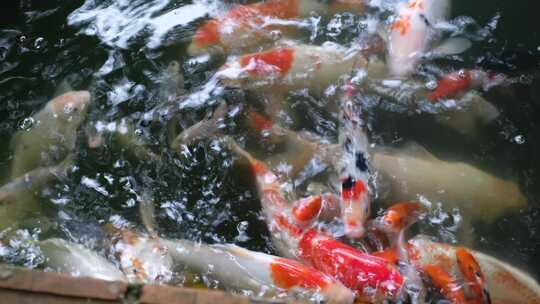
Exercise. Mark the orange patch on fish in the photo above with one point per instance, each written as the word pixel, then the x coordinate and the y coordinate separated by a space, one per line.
pixel 389 255
pixel 207 34
pixel 447 285
pixel 400 215
pixel 471 271
pixel 266 63
pixel 416 5
pixel 308 209
pixel 291 228
pixel 287 274
pixel 285 9
pixel 357 189
pixel 259 122
pixel 451 85
pixel 403 24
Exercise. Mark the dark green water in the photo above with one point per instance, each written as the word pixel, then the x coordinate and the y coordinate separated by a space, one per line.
pixel 201 196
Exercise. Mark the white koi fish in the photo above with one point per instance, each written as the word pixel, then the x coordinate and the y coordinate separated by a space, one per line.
pixel 410 33
pixel 53 134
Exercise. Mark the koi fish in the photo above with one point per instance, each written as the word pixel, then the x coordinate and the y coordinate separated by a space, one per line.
pixel 394 222
pixel 205 128
pixel 456 83
pixel 413 171
pixel 472 273
pixel 446 284
pixel 372 278
pixel 506 283
pixel 246 26
pixel 318 207
pixel 354 167
pixel 290 67
pixel 63 256
pixel 239 268
pixel 410 33
pixel 53 134
pixel 18 197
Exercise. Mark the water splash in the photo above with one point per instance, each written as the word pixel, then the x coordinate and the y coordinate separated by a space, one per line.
pixel 117 23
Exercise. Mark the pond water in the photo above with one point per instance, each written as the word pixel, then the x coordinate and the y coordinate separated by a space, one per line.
pixel 119 51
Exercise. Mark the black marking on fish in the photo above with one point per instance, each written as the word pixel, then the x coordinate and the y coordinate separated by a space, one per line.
pixel 487 296
pixel 348 145
pixel 361 162
pixel 348 183
pixel 425 19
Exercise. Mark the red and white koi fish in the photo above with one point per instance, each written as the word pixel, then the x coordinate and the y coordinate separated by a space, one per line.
pixel 372 278
pixel 243 269
pixel 353 168
pixel 153 259
pixel 290 67
pixel 410 33
pixel 506 284
pixel 459 82
pixel 247 26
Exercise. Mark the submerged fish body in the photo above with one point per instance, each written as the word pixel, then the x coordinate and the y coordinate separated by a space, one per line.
pixel 291 67
pixel 63 256
pixel 411 32
pixel 245 27
pixel 19 199
pixel 478 194
pixel 53 134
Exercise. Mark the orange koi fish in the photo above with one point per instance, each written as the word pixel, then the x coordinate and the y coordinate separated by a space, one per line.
pixel 474 278
pixel 447 285
pixel 457 83
pixel 247 26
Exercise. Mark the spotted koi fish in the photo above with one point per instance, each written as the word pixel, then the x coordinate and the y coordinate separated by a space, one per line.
pixel 410 35
pixel 457 83
pixel 353 168
pixel 371 278
pixel 247 26
pixel 290 67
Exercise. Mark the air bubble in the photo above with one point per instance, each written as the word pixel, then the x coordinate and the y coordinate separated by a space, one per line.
pixel 40 43
pixel 27 124
pixel 520 139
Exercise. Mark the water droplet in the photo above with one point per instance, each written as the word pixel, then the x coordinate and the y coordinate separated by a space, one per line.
pixel 520 139
pixel 431 85
pixel 40 43
pixel 3 53
pixel 27 124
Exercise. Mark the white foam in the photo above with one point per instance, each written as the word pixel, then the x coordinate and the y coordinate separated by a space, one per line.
pixel 115 23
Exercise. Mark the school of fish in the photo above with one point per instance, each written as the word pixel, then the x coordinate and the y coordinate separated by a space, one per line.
pixel 372 258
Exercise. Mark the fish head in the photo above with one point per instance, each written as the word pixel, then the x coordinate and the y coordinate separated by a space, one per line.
pixel 72 106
